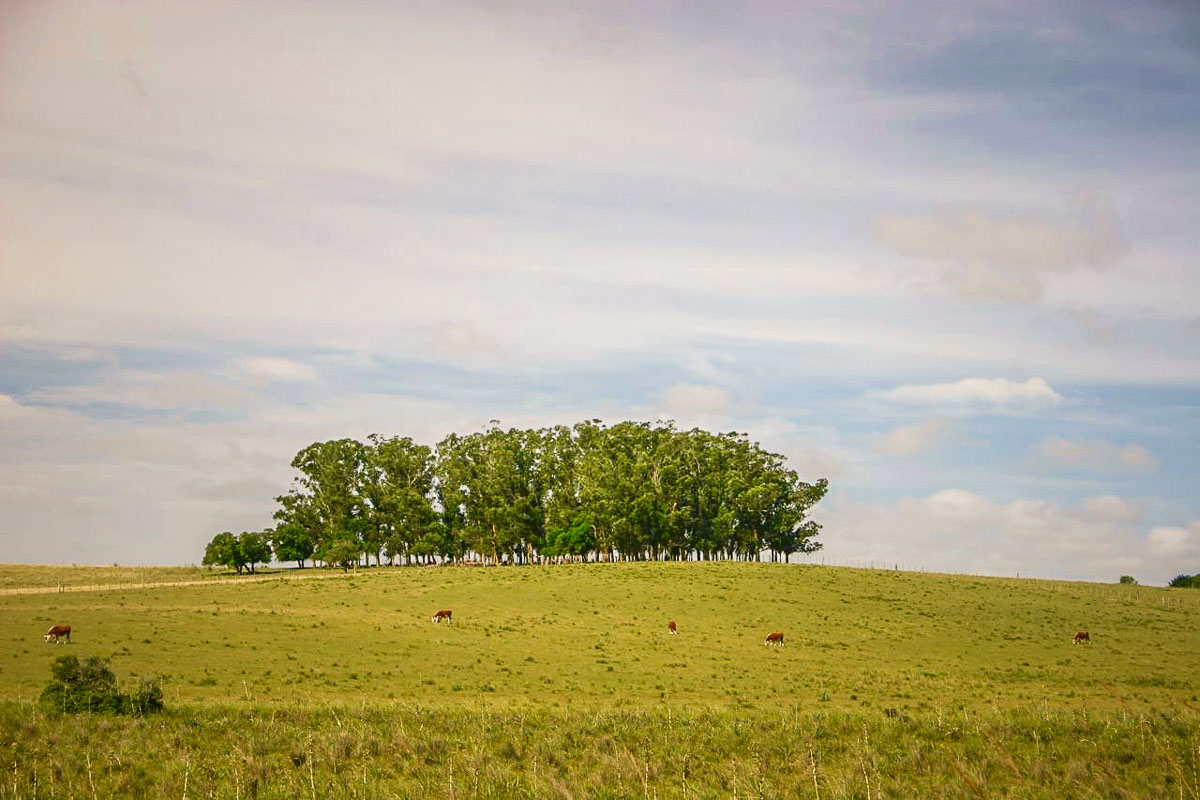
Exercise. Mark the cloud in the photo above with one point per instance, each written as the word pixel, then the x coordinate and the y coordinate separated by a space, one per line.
pixel 151 391
pixel 997 393
pixel 1003 258
pixel 691 398
pixel 464 342
pixel 916 439
pixel 1094 454
pixel 1176 542
pixel 276 369
pixel 550 214
pixel 956 504
pixel 1111 508
pixel 955 530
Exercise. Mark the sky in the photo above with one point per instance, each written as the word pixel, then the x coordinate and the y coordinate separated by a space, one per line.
pixel 943 254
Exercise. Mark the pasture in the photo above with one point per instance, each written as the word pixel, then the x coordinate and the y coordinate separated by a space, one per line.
pixel 27 576
pixel 975 678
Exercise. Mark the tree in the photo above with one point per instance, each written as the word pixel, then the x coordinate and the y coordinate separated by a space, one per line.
pixel 291 542
pixel 647 490
pixel 397 483
pixel 342 552
pixel 489 490
pixel 299 531
pixel 254 548
pixel 224 551
pixel 1186 581
pixel 795 533
pixel 1128 580
pixel 330 483
pixel 578 540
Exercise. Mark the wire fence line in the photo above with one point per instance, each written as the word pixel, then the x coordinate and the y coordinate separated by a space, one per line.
pixel 1129 595
pixel 63 588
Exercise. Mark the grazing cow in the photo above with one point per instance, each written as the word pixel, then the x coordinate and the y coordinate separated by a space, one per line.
pixel 671 628
pixel 444 614
pixel 774 638
pixel 1081 636
pixel 59 631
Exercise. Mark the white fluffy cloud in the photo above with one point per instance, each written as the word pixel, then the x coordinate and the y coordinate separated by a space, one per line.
pixel 541 213
pixel 148 390
pixel 1003 258
pixel 691 398
pixel 915 439
pixel 1110 508
pixel 955 530
pixel 987 393
pixel 277 369
pixel 1094 454
pixel 1177 542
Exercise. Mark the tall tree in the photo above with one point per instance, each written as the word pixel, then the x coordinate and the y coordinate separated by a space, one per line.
pixel 224 551
pixel 255 549
pixel 299 530
pixel 290 542
pixel 633 490
pixel 330 478
pixel 397 484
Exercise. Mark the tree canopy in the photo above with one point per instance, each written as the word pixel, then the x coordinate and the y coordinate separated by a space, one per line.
pixel 630 491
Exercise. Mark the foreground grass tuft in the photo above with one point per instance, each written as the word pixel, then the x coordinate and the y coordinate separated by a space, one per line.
pixel 413 752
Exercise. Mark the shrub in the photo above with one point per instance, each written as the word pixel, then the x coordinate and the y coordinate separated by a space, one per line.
pixel 1129 580
pixel 90 685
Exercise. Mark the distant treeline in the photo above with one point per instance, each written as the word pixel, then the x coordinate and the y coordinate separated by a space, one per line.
pixel 630 491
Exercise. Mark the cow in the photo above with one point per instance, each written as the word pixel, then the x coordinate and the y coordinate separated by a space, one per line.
pixel 444 614
pixel 1081 636
pixel 774 638
pixel 57 632
pixel 672 629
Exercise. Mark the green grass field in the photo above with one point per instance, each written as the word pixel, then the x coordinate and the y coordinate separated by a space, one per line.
pixel 900 679
pixel 30 576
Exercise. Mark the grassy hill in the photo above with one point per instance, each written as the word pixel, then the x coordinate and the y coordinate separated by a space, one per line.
pixel 580 655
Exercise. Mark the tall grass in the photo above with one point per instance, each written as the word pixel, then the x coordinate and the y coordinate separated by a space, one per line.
pixel 563 682
pixel 406 751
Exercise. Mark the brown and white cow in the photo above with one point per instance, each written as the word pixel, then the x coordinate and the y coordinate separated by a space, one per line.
pixel 671 627
pixel 1081 636
pixel 774 638
pixel 444 614
pixel 57 632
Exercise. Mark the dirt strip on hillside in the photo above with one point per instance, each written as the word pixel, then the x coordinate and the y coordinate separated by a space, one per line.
pixel 108 587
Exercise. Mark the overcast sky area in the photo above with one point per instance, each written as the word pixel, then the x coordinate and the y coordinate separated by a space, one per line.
pixel 943 254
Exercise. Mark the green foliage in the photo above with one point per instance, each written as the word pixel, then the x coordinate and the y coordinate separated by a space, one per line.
pixel 1186 581
pixel 224 551
pixel 255 548
pixel 1128 580
pixel 239 552
pixel 292 542
pixel 577 539
pixel 396 487
pixel 91 685
pixel 647 492
pixel 343 552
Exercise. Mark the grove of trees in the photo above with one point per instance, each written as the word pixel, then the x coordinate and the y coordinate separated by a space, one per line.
pixel 630 491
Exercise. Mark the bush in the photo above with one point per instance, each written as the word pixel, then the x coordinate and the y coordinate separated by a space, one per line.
pixel 91 685
pixel 1189 581
pixel 1129 580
